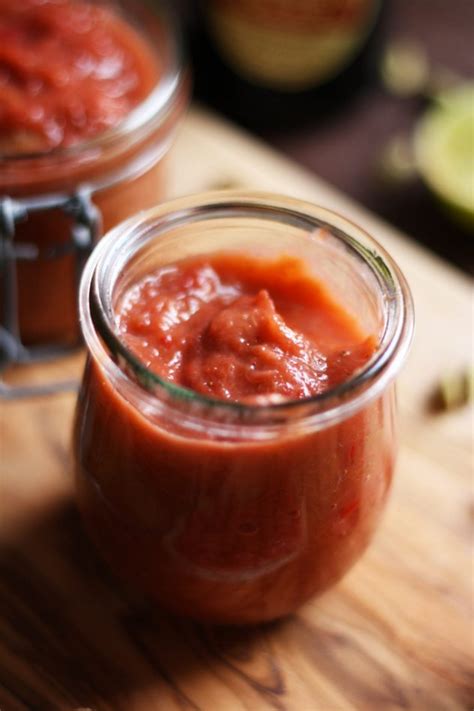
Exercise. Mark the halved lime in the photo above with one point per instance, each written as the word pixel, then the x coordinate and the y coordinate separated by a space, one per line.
pixel 444 150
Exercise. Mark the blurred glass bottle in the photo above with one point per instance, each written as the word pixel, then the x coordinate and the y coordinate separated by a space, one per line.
pixel 271 63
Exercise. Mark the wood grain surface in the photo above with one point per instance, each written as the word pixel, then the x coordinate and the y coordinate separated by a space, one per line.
pixel 395 634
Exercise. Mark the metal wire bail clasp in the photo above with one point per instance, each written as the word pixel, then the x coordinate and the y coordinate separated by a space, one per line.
pixel 86 226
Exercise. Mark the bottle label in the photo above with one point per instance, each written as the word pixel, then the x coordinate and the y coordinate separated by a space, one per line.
pixel 290 45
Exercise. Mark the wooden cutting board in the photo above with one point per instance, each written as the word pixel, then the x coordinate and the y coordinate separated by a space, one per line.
pixel 395 634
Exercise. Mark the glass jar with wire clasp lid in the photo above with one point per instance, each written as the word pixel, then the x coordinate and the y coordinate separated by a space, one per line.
pixel 56 203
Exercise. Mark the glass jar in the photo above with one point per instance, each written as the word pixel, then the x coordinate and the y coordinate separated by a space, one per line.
pixel 54 204
pixel 217 510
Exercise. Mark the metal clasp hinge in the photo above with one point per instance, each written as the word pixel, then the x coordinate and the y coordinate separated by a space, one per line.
pixel 86 227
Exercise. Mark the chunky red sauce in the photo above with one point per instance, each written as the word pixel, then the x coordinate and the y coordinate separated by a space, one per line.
pixel 69 70
pixel 229 527
pixel 242 329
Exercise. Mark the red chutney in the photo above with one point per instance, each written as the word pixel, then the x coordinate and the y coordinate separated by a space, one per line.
pixel 69 69
pixel 241 329
pixel 230 528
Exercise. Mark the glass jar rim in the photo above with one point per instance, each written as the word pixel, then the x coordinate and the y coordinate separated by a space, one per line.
pixel 145 117
pixel 120 245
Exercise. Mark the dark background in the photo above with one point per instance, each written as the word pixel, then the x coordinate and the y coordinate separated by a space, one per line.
pixel 346 148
